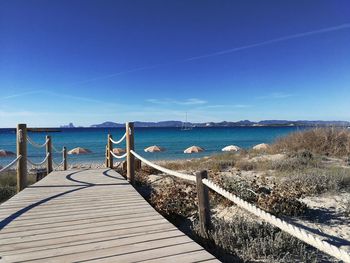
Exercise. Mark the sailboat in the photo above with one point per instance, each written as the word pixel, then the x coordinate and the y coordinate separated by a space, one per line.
pixel 185 126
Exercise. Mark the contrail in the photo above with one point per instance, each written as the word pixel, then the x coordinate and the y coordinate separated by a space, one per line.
pixel 271 41
pixel 21 94
pixel 223 52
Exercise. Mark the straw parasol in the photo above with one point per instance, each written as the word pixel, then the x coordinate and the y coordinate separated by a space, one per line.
pixel 79 150
pixel 4 153
pixel 118 151
pixel 231 148
pixel 194 149
pixel 261 146
pixel 154 148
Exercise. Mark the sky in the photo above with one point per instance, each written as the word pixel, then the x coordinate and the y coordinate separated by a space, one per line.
pixel 87 62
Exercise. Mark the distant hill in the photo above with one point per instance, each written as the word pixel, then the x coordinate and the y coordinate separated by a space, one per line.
pixel 108 124
pixel 70 125
pixel 243 123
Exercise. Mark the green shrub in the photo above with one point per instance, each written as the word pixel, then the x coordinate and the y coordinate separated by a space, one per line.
pixel 6 192
pixel 257 241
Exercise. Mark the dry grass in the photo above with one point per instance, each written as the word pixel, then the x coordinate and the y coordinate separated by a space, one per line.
pixel 273 184
pixel 323 141
pixel 175 199
pixel 316 181
pixel 8 184
pixel 214 163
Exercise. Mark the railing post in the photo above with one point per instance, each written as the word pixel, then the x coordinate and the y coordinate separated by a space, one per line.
pixel 64 158
pixel 130 159
pixel 22 163
pixel 106 155
pixel 203 202
pixel 49 151
pixel 109 149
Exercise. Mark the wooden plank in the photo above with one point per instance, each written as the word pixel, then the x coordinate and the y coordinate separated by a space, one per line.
pixel 89 215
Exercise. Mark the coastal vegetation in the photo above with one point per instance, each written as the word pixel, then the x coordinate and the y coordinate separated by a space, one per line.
pixel 286 180
pixel 298 177
pixel 8 184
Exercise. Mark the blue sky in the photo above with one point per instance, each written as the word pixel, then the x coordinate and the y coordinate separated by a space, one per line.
pixel 91 61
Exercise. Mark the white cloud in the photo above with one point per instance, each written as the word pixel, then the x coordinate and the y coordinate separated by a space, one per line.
pixel 220 106
pixel 5 114
pixel 276 95
pixel 191 101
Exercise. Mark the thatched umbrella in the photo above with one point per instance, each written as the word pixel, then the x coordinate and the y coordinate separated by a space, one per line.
pixel 118 151
pixel 261 146
pixel 231 148
pixel 79 150
pixel 194 149
pixel 4 153
pixel 154 148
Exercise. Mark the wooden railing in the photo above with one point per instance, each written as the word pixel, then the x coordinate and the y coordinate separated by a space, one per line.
pixel 21 140
pixel 203 184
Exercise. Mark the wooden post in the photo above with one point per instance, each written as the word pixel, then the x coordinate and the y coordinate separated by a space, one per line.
pixel 22 163
pixel 130 159
pixel 109 149
pixel 203 203
pixel 49 151
pixel 64 158
pixel 106 160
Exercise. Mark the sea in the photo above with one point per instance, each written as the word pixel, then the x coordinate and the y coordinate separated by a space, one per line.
pixel 174 140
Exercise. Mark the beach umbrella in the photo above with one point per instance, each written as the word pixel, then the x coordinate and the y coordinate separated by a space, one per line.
pixel 79 150
pixel 4 153
pixel 118 151
pixel 231 148
pixel 154 148
pixel 261 146
pixel 194 149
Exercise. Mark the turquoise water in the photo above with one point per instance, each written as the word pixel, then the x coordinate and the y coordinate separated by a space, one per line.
pixel 173 139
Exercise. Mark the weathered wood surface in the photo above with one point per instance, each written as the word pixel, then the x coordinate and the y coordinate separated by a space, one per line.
pixel 89 215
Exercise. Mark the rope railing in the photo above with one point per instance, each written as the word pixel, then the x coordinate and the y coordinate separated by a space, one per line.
pixel 120 140
pixel 285 226
pixel 7 167
pixel 118 156
pixel 293 230
pixel 55 149
pixel 163 169
pixel 57 164
pixel 40 163
pixel 36 145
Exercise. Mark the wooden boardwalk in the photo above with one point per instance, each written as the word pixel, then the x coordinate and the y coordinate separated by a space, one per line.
pixel 89 215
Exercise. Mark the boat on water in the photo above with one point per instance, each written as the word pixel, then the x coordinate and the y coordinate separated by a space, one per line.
pixel 186 126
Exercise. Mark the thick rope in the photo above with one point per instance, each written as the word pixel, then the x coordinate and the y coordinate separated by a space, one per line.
pixel 55 149
pixel 281 224
pixel 118 156
pixel 165 170
pixel 120 140
pixel 36 145
pixel 57 164
pixel 41 163
pixel 4 169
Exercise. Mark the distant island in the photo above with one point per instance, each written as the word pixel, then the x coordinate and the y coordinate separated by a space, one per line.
pixel 243 123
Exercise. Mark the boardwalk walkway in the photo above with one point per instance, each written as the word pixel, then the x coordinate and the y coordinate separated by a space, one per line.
pixel 89 215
